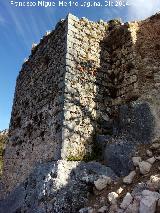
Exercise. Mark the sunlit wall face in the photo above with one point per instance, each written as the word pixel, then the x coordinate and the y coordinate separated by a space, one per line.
pixel 22 26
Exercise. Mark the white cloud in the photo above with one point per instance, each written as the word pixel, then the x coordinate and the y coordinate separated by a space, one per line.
pixel 28 26
pixel 141 9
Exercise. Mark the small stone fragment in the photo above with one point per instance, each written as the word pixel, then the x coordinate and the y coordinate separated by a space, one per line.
pixel 149 153
pixel 155 146
pixel 86 210
pixel 128 179
pixel 102 182
pixel 102 201
pixel 103 209
pixel 112 197
pixel 126 201
pixel 119 191
pixel 151 160
pixel 144 167
pixel 154 182
pixel 157 158
pixel 133 207
pixel 113 208
pixel 136 160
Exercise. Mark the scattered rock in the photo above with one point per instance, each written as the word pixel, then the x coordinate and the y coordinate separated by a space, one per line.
pixel 126 201
pixel 119 160
pixel 136 160
pixel 128 179
pixel 112 197
pixel 150 193
pixel 133 207
pixel 155 146
pixel 138 189
pixel 148 202
pixel 144 167
pixel 103 209
pixel 120 190
pixel 157 158
pixel 154 182
pixel 102 182
pixel 102 201
pixel 113 208
pixel 86 210
pixel 151 160
pixel 91 171
pixel 149 153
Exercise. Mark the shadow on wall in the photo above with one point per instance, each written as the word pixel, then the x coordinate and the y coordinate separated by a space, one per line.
pixel 57 186
pixel 85 113
pixel 129 121
pixel 123 121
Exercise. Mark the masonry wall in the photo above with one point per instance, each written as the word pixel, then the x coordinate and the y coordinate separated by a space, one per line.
pixel 133 79
pixel 133 65
pixel 84 79
pixel 82 98
pixel 147 48
pixel 35 133
pixel 56 103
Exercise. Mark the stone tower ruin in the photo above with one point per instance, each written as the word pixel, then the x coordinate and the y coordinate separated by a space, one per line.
pixel 80 81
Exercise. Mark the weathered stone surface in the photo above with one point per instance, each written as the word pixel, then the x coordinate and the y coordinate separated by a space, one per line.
pixel 91 171
pixel 157 157
pixel 112 197
pixel 155 146
pixel 136 122
pixel 54 110
pixel 60 185
pixel 149 153
pixel 128 179
pixel 102 182
pixel 113 208
pixel 158 206
pixel 151 160
pixel 126 201
pixel 118 156
pixel 86 210
pixel 138 189
pixel 103 209
pixel 120 190
pixel 144 167
pixel 136 160
pixel 154 182
pixel 133 207
pixel 148 202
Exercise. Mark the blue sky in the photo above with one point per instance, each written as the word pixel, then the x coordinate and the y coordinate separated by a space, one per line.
pixel 22 26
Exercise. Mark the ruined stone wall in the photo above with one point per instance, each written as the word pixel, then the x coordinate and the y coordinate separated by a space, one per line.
pixel 133 52
pixel 84 79
pixel 147 48
pixel 133 76
pixel 122 71
pixel 56 102
pixel 35 133
pixel 81 86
